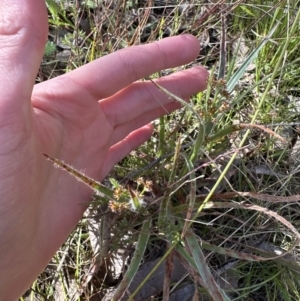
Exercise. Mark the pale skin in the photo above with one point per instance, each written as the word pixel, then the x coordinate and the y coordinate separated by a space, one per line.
pixel 89 118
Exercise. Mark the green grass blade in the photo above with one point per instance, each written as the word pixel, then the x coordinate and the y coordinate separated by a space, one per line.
pixel 212 288
pixel 191 197
pixel 239 73
pixel 164 217
pixel 201 127
pixel 135 262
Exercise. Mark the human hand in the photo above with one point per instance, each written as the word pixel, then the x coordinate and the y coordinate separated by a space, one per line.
pixel 90 118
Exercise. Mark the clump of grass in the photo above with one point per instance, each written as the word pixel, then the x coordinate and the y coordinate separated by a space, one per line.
pixel 219 203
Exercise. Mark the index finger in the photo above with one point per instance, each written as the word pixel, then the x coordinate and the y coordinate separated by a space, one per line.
pixel 108 75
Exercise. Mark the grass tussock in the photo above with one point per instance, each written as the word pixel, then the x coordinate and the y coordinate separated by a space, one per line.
pixel 208 208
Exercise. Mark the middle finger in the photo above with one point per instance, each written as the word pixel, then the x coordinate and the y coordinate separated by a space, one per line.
pixel 141 98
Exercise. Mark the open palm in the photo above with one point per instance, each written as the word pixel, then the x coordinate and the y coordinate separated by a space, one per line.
pixel 89 118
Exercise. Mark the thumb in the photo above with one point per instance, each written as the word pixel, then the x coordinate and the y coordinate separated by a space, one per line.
pixel 23 34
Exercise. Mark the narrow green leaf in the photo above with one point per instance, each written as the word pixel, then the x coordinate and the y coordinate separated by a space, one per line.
pixel 135 262
pixel 212 288
pixel 239 73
